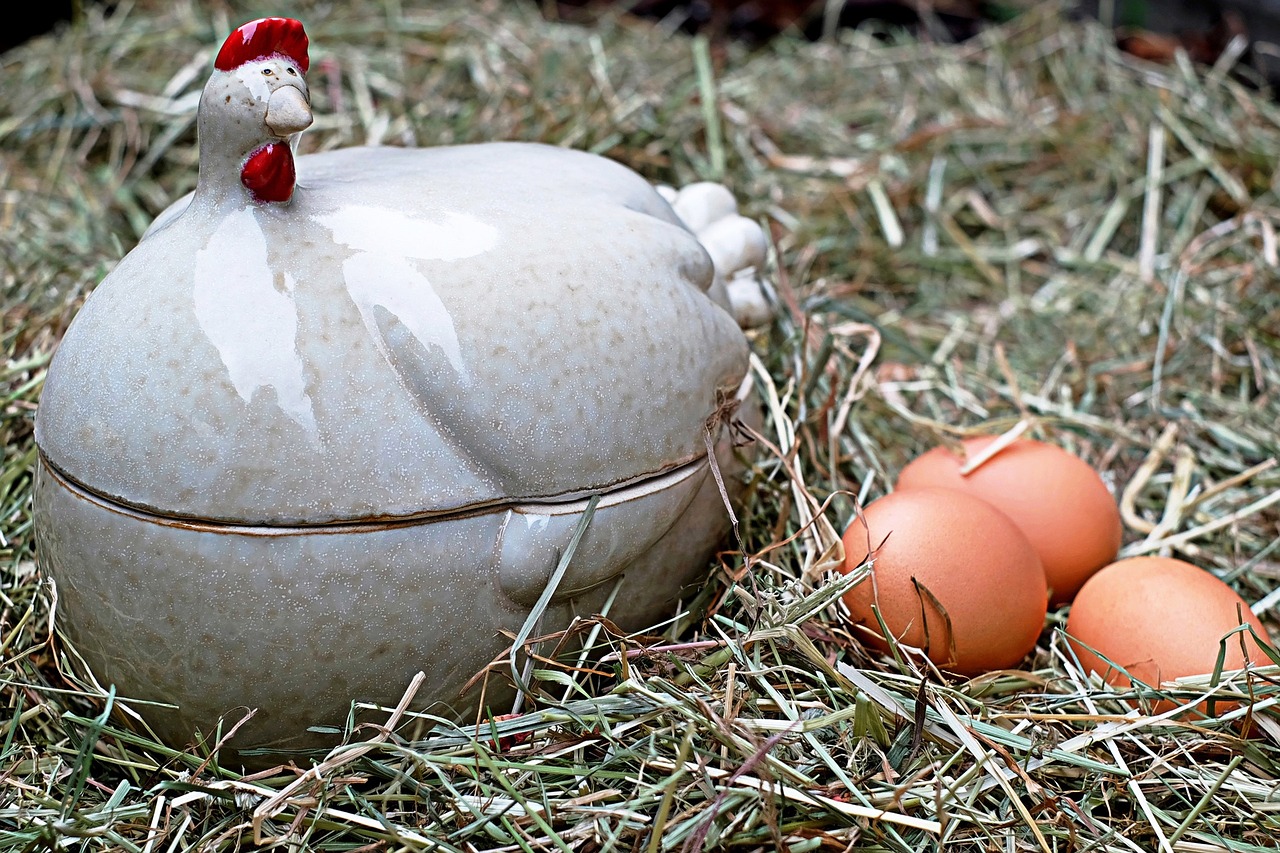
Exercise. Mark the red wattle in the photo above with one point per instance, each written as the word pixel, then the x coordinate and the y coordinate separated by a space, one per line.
pixel 262 38
pixel 268 174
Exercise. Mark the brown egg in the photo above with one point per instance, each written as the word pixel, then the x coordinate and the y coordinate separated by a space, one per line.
pixel 1060 503
pixel 1159 619
pixel 939 550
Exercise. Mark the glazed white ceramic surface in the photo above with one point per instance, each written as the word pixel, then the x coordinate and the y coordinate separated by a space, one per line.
pixel 298 622
pixel 293 452
pixel 416 331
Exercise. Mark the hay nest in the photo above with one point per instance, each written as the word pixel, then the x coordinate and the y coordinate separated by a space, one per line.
pixel 1029 229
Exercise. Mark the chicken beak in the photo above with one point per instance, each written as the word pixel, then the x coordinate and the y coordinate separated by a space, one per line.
pixel 288 112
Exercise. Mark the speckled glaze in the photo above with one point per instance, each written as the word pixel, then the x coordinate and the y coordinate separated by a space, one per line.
pixel 305 441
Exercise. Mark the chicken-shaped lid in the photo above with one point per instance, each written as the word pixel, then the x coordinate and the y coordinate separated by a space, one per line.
pixel 404 332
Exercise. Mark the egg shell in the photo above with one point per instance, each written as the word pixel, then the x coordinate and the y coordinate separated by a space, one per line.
pixel 1057 499
pixel 969 557
pixel 1160 619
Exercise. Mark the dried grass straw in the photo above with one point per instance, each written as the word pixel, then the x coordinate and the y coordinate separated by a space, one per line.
pixel 1029 230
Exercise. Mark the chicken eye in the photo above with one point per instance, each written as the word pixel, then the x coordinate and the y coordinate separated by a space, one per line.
pixel 292 72
pixel 267 72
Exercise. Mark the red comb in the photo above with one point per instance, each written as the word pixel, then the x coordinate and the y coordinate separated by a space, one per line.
pixel 262 38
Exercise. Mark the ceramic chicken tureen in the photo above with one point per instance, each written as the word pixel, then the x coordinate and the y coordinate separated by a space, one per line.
pixel 327 427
